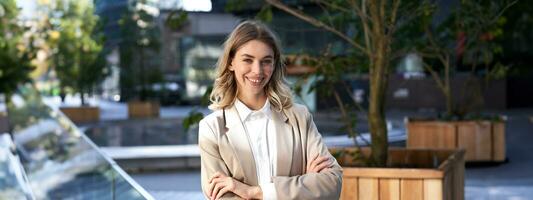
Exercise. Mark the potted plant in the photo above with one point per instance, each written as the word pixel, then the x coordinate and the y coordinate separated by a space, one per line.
pixel 474 27
pixel 378 33
pixel 78 57
pixel 16 53
pixel 139 59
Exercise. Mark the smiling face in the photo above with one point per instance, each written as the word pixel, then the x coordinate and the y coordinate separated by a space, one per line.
pixel 253 65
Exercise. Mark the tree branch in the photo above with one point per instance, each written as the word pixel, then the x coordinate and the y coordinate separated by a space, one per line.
pixel 436 76
pixel 504 9
pixel 334 6
pixel 396 5
pixel 328 16
pixel 317 23
pixel 364 20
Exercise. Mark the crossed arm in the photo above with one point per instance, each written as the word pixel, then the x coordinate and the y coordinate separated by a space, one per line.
pixel 221 184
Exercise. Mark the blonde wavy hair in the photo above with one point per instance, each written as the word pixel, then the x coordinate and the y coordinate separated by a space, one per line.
pixel 225 91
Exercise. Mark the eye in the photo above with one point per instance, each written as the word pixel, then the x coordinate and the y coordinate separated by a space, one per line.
pixel 248 60
pixel 266 62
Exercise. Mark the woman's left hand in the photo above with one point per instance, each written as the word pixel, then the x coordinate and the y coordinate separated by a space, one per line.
pixel 318 164
pixel 220 184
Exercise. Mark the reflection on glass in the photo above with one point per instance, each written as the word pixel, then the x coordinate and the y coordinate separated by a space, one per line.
pixel 13 182
pixel 147 133
pixel 59 160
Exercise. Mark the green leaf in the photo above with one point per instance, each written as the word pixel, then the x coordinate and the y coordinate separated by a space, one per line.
pixel 177 19
pixel 235 5
pixel 193 118
pixel 206 96
pixel 265 14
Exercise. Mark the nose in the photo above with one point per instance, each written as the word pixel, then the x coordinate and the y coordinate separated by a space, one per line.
pixel 256 67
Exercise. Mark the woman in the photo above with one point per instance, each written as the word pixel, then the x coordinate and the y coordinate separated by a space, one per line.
pixel 257 144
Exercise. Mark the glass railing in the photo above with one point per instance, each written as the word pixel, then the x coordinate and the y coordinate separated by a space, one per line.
pixel 59 160
pixel 13 181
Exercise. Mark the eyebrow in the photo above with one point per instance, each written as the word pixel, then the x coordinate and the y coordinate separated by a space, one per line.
pixel 250 56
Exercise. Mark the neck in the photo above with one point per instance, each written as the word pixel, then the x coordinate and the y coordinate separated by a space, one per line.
pixel 254 102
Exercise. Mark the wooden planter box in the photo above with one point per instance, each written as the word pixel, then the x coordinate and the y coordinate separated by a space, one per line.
pixel 82 114
pixel 482 140
pixel 143 109
pixel 427 175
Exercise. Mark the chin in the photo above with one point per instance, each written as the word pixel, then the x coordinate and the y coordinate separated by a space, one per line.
pixel 258 91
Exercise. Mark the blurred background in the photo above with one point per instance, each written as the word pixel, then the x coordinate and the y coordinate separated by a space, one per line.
pixel 100 99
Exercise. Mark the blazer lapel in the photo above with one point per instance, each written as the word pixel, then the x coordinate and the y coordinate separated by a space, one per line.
pixel 241 147
pixel 284 143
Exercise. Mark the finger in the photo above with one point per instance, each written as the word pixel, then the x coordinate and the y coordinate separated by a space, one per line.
pixel 315 157
pixel 222 192
pixel 308 166
pixel 319 160
pixel 309 162
pixel 323 158
pixel 210 189
pixel 212 185
pixel 322 166
pixel 217 182
pixel 218 186
pixel 215 175
pixel 332 163
pixel 317 167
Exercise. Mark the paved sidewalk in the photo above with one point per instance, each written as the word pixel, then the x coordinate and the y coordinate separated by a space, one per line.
pixel 171 185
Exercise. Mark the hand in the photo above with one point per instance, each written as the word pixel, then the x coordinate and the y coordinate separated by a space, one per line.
pixel 220 184
pixel 318 164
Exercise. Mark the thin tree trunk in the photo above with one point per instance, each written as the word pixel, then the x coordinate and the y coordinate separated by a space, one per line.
pixel 447 87
pixel 376 115
pixel 449 103
pixel 378 85
pixel 82 96
pixel 142 75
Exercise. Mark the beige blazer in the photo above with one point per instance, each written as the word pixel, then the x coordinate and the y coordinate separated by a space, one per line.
pixel 224 147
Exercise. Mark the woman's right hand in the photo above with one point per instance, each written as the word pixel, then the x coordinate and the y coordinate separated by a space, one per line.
pixel 221 184
pixel 318 164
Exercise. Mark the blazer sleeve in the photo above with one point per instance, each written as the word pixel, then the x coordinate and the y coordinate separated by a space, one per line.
pixel 211 161
pixel 324 185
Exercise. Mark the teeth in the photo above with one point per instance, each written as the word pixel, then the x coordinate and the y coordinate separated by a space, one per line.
pixel 254 80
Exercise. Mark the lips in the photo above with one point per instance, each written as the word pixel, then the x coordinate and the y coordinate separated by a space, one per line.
pixel 255 81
